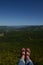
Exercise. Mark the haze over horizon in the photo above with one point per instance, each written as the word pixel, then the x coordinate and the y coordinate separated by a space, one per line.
pixel 21 12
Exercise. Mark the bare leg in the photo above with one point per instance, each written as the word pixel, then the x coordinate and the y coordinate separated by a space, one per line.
pixel 28 60
pixel 22 62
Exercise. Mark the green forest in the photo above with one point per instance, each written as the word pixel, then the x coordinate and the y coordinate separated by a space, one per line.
pixel 12 42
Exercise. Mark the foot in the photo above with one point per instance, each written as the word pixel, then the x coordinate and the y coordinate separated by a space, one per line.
pixel 28 54
pixel 23 53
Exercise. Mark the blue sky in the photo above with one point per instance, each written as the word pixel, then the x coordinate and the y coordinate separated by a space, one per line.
pixel 21 12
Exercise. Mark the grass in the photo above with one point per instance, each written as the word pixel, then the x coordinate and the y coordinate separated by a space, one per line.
pixel 10 49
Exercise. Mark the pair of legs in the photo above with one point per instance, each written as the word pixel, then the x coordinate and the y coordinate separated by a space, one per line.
pixel 25 55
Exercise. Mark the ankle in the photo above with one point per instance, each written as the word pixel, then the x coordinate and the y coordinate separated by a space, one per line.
pixel 23 57
pixel 27 58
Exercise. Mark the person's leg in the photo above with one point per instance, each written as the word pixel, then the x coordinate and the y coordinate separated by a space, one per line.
pixel 28 60
pixel 22 60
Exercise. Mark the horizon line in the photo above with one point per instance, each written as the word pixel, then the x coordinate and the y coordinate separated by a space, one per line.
pixel 22 25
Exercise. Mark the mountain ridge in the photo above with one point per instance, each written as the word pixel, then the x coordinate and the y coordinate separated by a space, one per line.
pixel 22 28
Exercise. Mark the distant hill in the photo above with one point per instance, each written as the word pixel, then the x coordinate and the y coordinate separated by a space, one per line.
pixel 33 28
pixel 21 28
